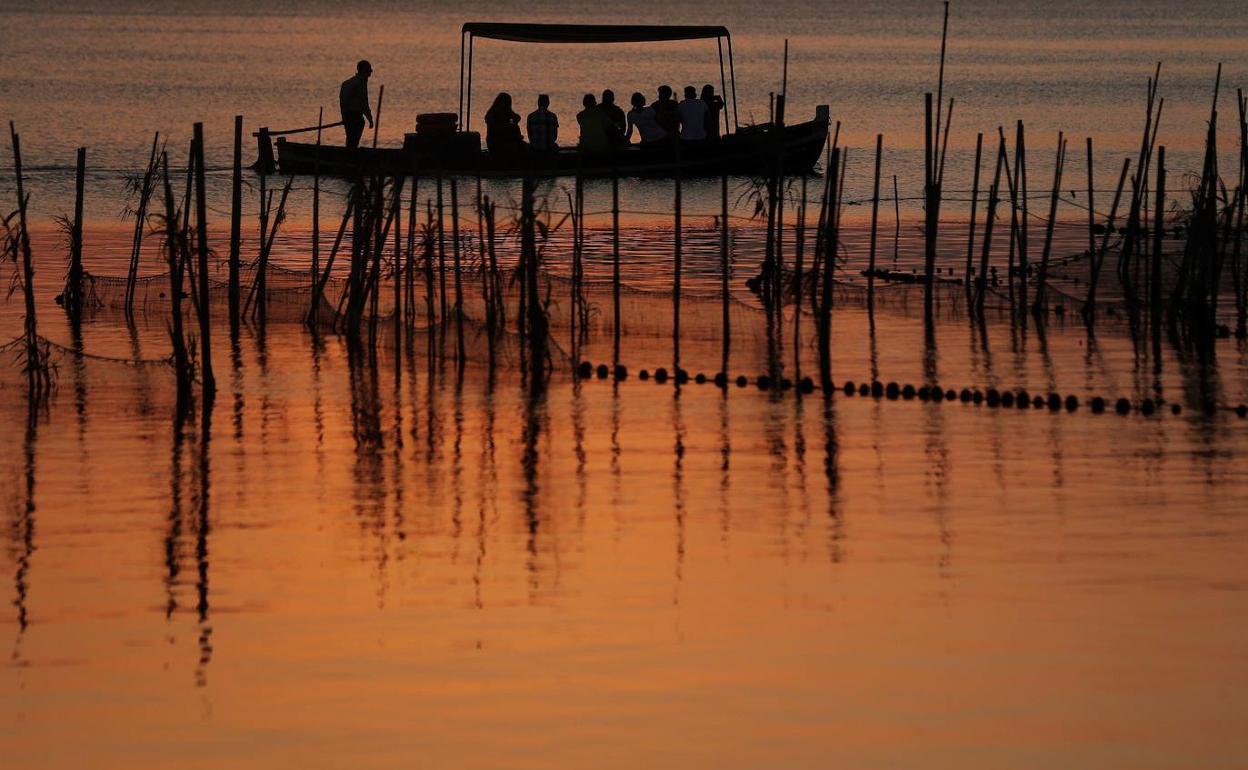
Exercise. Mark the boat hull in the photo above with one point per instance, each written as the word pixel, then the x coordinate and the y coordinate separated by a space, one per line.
pixel 757 150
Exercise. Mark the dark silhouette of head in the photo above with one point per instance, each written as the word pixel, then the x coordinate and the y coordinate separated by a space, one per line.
pixel 589 101
pixel 363 68
pixel 665 93
pixel 708 92
pixel 543 101
pixel 638 101
pixel 501 108
pixel 691 92
pixel 608 96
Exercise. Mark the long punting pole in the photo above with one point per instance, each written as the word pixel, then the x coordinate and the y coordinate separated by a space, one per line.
pixel 1158 230
pixel 732 75
pixel 201 227
pixel 1040 306
pixel 381 94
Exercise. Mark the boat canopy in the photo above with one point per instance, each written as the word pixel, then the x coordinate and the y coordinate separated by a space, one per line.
pixel 587 34
pixel 590 33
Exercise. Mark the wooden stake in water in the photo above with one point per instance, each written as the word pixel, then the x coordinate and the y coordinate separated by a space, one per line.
pixel 316 222
pixel 236 221
pixel 1158 231
pixel 615 269
pixel 678 255
pixel 970 238
pixel 994 197
pixel 459 288
pixel 73 295
pixel 443 303
pixel 724 267
pixel 38 379
pixel 875 219
pixel 1040 308
pixel 201 226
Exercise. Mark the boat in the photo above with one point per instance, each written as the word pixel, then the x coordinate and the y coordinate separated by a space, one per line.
pixel 446 144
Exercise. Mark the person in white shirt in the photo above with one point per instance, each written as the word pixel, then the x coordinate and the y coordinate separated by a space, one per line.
pixel 692 116
pixel 646 122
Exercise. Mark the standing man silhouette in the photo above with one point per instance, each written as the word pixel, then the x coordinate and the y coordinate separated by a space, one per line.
pixel 353 103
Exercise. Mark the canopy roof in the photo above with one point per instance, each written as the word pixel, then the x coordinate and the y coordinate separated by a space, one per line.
pixel 590 33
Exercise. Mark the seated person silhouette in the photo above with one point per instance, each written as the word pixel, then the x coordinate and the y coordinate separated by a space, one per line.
pixel 595 126
pixel 502 127
pixel 543 127
pixel 644 119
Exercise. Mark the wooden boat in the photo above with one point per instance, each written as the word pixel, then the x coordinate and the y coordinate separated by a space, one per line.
pixel 795 148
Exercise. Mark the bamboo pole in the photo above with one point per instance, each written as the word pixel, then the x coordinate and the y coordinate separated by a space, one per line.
pixel 443 305
pixel 236 220
pixel 678 255
pixel 1158 232
pixel 799 248
pixel 173 256
pixel 829 267
pixel 140 218
pixel 459 288
pixel 201 226
pixel 1098 259
pixel 73 294
pixel 313 306
pixel 1041 300
pixel 615 269
pixel 875 218
pixel 724 267
pixel 1020 176
pixel 994 197
pixel 1091 216
pixel 37 377
pixel 970 237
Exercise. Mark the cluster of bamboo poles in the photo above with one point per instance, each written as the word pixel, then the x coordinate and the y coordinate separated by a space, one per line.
pixel 1189 289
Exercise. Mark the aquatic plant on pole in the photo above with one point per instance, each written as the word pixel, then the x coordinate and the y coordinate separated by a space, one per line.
pixel 74 290
pixel 201 226
pixel 38 376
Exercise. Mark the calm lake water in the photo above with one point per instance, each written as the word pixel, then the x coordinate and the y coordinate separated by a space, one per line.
pixel 381 563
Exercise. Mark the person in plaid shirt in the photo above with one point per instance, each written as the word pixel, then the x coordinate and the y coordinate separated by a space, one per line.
pixel 543 126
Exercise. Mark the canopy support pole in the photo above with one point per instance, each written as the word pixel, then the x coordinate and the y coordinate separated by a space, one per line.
pixel 466 118
pixel 461 80
pixel 732 73
pixel 723 83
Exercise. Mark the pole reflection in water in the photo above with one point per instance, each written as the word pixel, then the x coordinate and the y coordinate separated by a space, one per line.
pixel 555 547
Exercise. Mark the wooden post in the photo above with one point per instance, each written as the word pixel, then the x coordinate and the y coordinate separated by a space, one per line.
pixel 1040 307
pixel 316 222
pixel 37 377
pixel 970 238
pixel 829 266
pixel 1091 217
pixel 443 304
pixel 799 248
pixel 615 268
pixel 201 226
pixel 73 295
pixel 931 196
pixel 724 267
pixel 236 222
pixel 875 218
pixel 994 196
pixel 1020 175
pixel 678 256
pixel 1159 222
pixel 459 289
pixel 1089 305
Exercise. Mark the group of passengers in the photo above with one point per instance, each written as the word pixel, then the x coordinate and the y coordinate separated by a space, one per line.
pixel 604 126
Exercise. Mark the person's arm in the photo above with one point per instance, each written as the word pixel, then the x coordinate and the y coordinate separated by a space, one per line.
pixel 554 129
pixel 628 135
